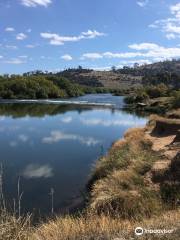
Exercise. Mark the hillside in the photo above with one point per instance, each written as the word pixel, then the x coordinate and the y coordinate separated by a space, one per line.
pixel 107 79
pixel 127 77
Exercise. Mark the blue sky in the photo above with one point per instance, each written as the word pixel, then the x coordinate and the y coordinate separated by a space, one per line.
pixel 57 34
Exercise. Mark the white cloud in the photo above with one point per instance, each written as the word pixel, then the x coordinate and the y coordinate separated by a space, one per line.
pixel 21 36
pixel 110 55
pixel 1 56
pixel 91 56
pixel 139 61
pixel 37 171
pixel 67 57
pixel 57 136
pixel 125 63
pixel 92 34
pixel 30 46
pixel 151 51
pixel 23 56
pixel 13 47
pixel 122 55
pixel 170 36
pixel 142 3
pixel 105 68
pixel 153 25
pixel 9 29
pixel 35 3
pixel 144 46
pixel 175 9
pixel 55 39
pixel 171 25
pixel 15 61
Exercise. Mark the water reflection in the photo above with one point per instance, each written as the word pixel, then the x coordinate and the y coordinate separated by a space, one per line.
pixel 57 136
pixel 66 119
pixel 37 171
pixel 110 123
pixel 54 146
pixel 22 110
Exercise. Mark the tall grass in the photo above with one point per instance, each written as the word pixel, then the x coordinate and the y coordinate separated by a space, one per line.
pixel 119 185
pixel 13 226
pixel 100 227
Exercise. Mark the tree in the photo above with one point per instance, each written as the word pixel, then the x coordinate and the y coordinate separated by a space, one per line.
pixel 113 69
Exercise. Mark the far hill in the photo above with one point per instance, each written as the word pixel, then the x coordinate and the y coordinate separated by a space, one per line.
pixel 167 72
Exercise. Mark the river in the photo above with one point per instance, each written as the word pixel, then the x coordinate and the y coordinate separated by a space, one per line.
pixel 51 146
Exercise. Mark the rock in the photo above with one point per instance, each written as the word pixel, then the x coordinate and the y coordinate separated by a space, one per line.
pixel 165 128
pixel 141 104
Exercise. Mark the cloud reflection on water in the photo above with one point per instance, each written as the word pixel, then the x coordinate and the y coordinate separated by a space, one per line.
pixel 57 136
pixel 23 138
pixel 13 144
pixel 66 119
pixel 109 123
pixel 37 171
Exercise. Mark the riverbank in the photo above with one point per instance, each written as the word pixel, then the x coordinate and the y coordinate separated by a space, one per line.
pixel 153 99
pixel 136 184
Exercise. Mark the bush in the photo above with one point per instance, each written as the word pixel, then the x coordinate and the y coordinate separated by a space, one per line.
pixel 145 93
pixel 40 87
pixel 176 99
pixel 160 90
pixel 141 96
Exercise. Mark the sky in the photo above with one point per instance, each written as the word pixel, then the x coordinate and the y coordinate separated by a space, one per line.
pixel 54 35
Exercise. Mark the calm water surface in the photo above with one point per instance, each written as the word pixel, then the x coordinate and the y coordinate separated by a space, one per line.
pixel 54 146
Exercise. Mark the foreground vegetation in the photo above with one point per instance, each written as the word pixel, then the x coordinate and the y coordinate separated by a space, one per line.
pixel 89 227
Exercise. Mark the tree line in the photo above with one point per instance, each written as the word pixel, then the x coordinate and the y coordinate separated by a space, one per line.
pixel 37 87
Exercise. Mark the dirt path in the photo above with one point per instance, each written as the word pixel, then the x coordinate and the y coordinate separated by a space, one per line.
pixel 166 145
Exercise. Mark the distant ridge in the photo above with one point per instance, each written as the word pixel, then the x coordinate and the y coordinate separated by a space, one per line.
pixel 167 72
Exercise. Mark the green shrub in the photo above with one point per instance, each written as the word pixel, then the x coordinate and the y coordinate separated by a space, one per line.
pixel 40 87
pixel 160 90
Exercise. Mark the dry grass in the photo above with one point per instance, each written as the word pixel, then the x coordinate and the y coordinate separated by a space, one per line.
pixel 93 227
pixel 14 228
pixel 123 194
pixel 118 186
pixel 89 227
